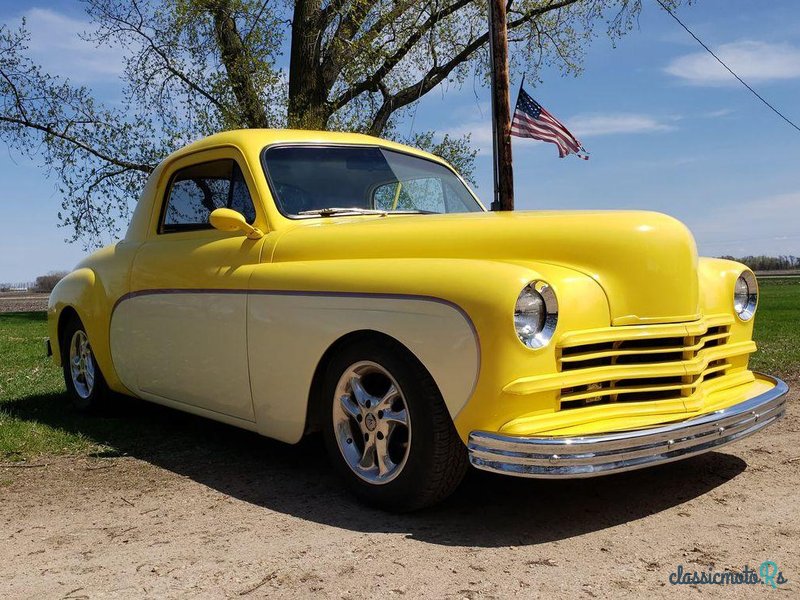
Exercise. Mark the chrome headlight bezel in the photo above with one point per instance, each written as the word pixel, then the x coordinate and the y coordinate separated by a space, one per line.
pixel 745 296
pixel 535 327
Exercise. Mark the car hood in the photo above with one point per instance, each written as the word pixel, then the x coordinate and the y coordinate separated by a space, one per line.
pixel 645 262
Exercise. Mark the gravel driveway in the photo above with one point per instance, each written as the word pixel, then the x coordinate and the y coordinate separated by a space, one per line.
pixel 232 515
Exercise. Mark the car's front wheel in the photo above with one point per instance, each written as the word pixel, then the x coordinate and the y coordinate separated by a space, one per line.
pixel 387 429
pixel 85 383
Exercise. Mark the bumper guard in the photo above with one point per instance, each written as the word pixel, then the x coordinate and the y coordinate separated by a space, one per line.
pixel 590 456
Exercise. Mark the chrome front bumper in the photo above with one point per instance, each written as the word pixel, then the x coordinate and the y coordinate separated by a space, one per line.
pixel 590 456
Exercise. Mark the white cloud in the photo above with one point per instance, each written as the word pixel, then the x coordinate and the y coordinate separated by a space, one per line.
pixel 480 133
pixel 753 61
pixel 716 114
pixel 587 125
pixel 56 45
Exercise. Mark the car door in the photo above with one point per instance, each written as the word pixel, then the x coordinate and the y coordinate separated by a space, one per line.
pixel 184 322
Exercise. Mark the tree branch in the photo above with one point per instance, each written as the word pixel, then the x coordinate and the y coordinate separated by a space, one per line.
pixel 234 57
pixel 369 84
pixel 138 30
pixel 431 79
pixel 49 130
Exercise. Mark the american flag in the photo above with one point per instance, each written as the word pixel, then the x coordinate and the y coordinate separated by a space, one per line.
pixel 531 120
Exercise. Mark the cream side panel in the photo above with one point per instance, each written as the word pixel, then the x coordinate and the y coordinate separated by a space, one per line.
pixel 189 348
pixel 289 333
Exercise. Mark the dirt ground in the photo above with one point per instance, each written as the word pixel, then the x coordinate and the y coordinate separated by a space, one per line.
pixel 233 515
pixel 22 301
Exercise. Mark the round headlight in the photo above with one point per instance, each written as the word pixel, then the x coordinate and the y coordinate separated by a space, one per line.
pixel 536 314
pixel 745 296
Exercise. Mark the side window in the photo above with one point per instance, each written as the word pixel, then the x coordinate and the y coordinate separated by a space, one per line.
pixel 240 196
pixel 196 191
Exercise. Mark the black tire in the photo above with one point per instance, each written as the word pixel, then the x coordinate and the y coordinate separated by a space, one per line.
pixel 435 459
pixel 77 389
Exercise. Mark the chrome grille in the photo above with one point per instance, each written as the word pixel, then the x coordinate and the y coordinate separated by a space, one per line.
pixel 639 364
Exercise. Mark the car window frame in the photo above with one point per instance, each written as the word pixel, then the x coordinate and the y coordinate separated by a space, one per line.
pixel 195 227
pixel 304 144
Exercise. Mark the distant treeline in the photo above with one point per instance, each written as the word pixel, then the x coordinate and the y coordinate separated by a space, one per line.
pixel 22 286
pixel 768 263
pixel 43 283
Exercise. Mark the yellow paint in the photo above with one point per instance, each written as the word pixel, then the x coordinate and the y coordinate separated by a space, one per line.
pixel 226 219
pixel 614 273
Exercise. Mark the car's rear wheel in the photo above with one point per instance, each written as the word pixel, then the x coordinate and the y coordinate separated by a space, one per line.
pixel 387 429
pixel 85 383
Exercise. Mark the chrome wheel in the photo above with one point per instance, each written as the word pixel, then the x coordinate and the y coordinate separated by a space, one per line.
pixel 371 422
pixel 81 364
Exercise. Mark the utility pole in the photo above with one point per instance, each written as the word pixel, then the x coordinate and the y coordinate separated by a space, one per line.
pixel 501 112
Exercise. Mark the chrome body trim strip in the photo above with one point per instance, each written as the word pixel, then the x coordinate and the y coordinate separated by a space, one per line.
pixel 602 454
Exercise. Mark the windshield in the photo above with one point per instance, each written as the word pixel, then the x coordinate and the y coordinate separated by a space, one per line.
pixel 349 180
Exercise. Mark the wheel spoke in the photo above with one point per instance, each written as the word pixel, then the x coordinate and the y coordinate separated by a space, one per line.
pixel 359 393
pixel 368 457
pixel 389 397
pixel 385 464
pixel 396 417
pixel 88 376
pixel 349 406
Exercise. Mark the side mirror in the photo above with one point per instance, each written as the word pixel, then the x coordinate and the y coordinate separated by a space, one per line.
pixel 226 219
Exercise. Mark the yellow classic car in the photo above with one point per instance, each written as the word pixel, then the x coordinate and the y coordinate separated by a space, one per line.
pixel 288 282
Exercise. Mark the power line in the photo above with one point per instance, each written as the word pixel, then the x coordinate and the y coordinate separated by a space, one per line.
pixel 720 61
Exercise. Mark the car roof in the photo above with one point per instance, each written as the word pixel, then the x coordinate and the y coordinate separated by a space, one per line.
pixel 250 143
pixel 254 140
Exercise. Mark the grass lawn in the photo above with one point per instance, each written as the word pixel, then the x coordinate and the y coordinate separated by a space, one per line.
pixel 777 330
pixel 30 386
pixel 35 418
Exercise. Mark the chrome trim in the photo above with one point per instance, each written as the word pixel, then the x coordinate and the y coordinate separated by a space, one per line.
pixel 542 337
pixel 747 309
pixel 373 432
pixel 590 456
pixel 81 364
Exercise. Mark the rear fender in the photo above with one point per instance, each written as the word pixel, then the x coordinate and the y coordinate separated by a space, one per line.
pixel 81 292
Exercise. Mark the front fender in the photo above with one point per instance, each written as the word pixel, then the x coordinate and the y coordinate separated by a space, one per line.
pixel 455 315
pixel 717 278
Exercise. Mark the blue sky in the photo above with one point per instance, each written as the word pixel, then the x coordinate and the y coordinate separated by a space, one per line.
pixel 667 129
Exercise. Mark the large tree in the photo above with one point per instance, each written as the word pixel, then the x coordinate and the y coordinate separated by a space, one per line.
pixel 193 67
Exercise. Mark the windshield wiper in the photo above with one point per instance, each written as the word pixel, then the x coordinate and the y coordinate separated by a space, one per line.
pixel 335 210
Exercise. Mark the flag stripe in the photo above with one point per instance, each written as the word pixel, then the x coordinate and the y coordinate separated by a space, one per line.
pixel 544 137
pixel 544 130
pixel 531 131
pixel 558 129
pixel 531 120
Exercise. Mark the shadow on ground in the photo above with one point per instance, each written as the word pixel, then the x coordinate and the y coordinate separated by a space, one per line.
pixel 486 511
